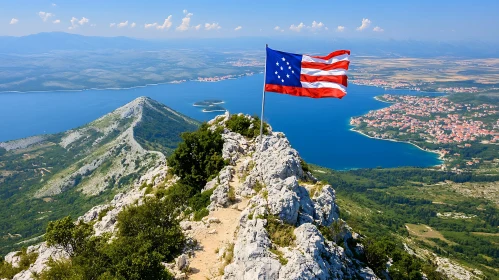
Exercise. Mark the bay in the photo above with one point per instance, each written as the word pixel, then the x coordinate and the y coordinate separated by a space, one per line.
pixel 318 128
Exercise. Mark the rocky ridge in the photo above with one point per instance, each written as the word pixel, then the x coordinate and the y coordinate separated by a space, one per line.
pixel 264 179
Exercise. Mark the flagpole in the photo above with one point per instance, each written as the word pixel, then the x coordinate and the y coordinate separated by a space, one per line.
pixel 263 97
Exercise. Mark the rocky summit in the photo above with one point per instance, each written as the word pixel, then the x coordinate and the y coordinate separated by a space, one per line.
pixel 264 185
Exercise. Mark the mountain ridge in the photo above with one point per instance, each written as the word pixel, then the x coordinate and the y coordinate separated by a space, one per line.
pixel 85 164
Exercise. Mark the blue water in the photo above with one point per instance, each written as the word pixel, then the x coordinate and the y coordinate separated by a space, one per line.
pixel 317 128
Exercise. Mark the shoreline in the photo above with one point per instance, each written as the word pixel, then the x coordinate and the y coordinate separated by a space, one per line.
pixel 377 99
pixel 129 88
pixel 205 111
pixel 440 155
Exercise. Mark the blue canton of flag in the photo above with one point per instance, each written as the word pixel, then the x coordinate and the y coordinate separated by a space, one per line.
pixel 283 68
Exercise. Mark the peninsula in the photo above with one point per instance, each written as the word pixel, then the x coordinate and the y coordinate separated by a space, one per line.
pixel 464 132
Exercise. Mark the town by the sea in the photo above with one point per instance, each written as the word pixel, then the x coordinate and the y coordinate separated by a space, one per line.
pixel 318 128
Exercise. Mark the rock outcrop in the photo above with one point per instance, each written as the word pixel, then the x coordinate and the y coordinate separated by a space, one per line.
pixel 273 181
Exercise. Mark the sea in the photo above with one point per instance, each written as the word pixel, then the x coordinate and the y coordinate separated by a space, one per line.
pixel 318 128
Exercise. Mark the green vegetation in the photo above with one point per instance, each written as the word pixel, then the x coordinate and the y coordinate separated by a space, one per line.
pixel 147 235
pixel 380 203
pixel 334 231
pixel 280 233
pixel 161 132
pixel 246 127
pixel 23 172
pixel 280 256
pixel 198 157
pixel 25 261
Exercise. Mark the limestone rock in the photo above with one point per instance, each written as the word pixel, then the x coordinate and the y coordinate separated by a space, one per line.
pixel 182 262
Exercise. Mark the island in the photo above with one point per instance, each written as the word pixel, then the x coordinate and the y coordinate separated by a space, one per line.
pixel 464 130
pixel 210 105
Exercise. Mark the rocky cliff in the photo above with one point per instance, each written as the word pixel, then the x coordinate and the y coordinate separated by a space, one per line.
pixel 263 188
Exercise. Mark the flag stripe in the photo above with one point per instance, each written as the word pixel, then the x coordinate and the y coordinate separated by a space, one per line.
pixel 316 72
pixel 307 58
pixel 307 92
pixel 324 85
pixel 333 54
pixel 324 66
pixel 342 80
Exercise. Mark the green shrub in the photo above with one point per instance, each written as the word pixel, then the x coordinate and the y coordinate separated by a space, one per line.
pixel 7 270
pixel 246 127
pixel 104 212
pixel 68 236
pixel 148 235
pixel 25 261
pixel 304 166
pixel 57 270
pixel 280 233
pixel 200 214
pixel 198 157
pixel 279 255
pixel 258 186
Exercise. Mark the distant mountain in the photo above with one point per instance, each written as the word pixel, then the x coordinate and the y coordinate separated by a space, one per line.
pixel 60 41
pixel 47 176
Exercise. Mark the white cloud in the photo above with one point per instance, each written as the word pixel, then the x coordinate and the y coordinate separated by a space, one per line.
pixel 14 21
pixel 297 28
pixel 365 24
pixel 93 25
pixel 186 21
pixel 83 20
pixel 54 5
pixel 212 26
pixel 45 16
pixel 184 11
pixel 326 28
pixel 317 25
pixel 73 23
pixel 197 27
pixel 57 21
pixel 150 25
pixel 340 28
pixel 378 29
pixel 133 25
pixel 112 24
pixel 238 28
pixel 166 24
pixel 122 24
pixel 76 23
pixel 277 28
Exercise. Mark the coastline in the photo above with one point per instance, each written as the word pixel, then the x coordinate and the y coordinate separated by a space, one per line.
pixel 206 111
pixel 129 88
pixel 377 99
pixel 440 155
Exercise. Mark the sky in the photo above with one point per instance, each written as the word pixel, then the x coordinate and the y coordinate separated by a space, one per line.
pixel 162 19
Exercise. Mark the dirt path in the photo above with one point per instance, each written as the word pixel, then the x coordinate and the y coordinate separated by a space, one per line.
pixel 206 264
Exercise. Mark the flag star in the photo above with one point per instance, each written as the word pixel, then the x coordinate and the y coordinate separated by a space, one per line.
pixel 282 81
pixel 281 68
pixel 289 67
pixel 278 77
pixel 277 63
pixel 283 59
pixel 276 72
pixel 287 63
pixel 287 75
pixel 292 71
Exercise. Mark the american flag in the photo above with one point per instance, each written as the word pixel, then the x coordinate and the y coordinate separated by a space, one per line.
pixel 305 75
